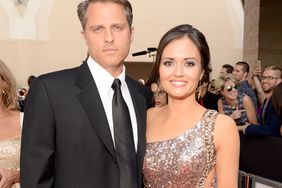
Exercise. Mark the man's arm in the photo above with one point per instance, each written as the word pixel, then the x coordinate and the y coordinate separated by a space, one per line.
pixel 37 150
pixel 257 72
pixel 270 128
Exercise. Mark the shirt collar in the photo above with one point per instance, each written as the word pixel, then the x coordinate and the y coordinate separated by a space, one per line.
pixel 102 77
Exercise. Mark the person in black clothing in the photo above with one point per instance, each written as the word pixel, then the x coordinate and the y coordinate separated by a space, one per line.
pixel 204 97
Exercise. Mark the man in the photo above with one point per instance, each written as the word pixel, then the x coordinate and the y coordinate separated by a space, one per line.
pixel 270 121
pixel 240 73
pixel 204 97
pixel 69 133
pixel 225 69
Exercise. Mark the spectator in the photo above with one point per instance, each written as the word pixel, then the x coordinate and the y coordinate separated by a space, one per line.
pixel 240 73
pixel 277 101
pixel 225 70
pixel 235 104
pixel 270 122
pixel 10 129
pixel 204 97
pixel 160 96
pixel 30 79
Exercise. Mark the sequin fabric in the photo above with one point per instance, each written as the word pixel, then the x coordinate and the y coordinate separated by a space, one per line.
pixel 10 153
pixel 182 162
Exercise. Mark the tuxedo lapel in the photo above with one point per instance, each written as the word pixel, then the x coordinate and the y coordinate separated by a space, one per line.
pixel 92 104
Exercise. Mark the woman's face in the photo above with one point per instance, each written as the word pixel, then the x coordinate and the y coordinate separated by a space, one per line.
pixel 160 97
pixel 180 68
pixel 230 90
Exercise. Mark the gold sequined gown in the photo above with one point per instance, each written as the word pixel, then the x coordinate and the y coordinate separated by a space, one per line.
pixel 10 155
pixel 182 162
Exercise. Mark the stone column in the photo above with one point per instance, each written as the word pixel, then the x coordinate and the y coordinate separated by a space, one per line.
pixel 263 32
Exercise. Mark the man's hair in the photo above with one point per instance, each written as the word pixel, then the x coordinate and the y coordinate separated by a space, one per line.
pixel 30 79
pixel 245 66
pixel 82 9
pixel 274 67
pixel 228 67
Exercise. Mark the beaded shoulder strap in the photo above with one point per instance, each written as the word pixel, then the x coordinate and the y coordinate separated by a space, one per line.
pixel 208 122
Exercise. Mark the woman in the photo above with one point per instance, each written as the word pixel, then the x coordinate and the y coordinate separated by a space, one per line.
pixel 235 104
pixel 187 145
pixel 160 97
pixel 10 130
pixel 277 101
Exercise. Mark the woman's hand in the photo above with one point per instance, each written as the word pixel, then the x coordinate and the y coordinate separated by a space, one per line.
pixel 237 114
pixel 8 178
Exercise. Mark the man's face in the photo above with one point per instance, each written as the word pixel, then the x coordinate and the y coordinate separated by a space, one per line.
pixel 270 78
pixel 223 72
pixel 238 73
pixel 107 35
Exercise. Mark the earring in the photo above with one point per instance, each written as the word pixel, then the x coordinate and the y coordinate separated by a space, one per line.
pixel 199 90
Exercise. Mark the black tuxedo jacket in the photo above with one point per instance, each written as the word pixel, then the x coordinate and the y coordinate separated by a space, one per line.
pixel 66 140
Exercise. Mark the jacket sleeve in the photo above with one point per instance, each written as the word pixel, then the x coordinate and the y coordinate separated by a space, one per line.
pixel 271 126
pixel 38 139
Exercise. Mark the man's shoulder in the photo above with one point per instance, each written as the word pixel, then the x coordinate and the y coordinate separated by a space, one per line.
pixel 64 75
pixel 140 89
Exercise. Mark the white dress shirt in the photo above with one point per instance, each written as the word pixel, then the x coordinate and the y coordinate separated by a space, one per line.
pixel 104 80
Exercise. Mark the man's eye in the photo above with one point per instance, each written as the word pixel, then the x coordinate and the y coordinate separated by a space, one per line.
pixel 117 28
pixel 97 29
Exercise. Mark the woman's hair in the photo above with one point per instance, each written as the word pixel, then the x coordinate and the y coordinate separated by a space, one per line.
pixel 277 99
pixel 8 88
pixel 82 9
pixel 178 32
pixel 220 82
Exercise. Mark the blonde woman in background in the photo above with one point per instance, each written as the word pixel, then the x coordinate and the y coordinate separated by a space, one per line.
pixel 10 130
pixel 235 104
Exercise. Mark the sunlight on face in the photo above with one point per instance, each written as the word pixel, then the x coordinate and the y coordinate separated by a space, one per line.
pixel 180 68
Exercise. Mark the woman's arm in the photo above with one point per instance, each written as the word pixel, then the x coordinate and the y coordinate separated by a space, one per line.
pixel 220 107
pixel 9 177
pixel 227 145
pixel 250 109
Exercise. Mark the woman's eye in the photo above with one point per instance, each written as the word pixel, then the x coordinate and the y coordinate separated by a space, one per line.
pixel 189 63
pixel 167 63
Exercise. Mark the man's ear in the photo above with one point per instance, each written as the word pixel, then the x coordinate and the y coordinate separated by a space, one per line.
pixel 82 33
pixel 245 74
pixel 132 33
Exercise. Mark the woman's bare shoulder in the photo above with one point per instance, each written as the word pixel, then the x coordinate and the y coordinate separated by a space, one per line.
pixel 225 129
pixel 153 114
pixel 225 123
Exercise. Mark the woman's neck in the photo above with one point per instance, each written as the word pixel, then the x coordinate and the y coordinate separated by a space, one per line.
pixel 231 102
pixel 180 107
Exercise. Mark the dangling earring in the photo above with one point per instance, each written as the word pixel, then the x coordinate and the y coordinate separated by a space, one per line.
pixel 199 90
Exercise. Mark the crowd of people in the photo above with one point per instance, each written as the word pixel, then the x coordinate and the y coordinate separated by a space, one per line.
pixel 94 126
pixel 248 99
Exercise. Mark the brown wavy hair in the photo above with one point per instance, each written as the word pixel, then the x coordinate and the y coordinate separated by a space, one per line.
pixel 277 99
